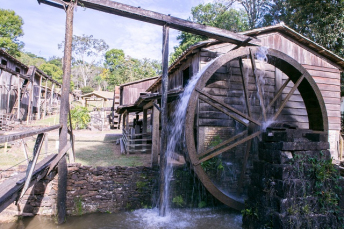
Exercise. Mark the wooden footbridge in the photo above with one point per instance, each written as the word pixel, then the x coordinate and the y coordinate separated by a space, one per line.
pixel 11 190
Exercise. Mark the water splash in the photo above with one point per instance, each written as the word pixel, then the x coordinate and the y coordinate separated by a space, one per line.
pixel 176 130
pixel 262 59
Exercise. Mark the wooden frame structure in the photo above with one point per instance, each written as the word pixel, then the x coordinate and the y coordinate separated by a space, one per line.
pixel 24 91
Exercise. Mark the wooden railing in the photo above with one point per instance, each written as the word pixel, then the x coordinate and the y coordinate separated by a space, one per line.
pixel 136 143
pixel 9 190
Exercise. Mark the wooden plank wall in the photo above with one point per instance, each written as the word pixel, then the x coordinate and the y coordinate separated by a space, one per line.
pixel 132 91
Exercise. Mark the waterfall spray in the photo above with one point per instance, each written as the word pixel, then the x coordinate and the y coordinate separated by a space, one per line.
pixel 176 130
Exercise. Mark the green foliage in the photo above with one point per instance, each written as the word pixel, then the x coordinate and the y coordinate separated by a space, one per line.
pixel 202 204
pixel 80 117
pixel 215 163
pixel 86 90
pixel 212 14
pixel 320 21
pixel 31 59
pixel 52 70
pixel 10 30
pixel 78 205
pixel 251 212
pixel 178 200
pixel 141 184
pixel 122 69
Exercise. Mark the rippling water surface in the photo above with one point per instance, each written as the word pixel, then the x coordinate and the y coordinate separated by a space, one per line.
pixel 144 218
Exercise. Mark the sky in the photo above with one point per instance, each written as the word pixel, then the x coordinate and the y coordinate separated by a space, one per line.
pixel 44 26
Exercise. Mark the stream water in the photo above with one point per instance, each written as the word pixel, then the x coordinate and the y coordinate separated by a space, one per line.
pixel 205 218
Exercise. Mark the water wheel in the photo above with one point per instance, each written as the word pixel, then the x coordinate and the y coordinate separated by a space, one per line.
pixel 236 97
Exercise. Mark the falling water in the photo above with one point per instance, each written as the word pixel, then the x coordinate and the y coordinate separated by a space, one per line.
pixel 176 130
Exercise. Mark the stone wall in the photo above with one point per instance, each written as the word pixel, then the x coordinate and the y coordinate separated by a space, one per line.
pixel 91 189
pixel 294 183
pixel 110 189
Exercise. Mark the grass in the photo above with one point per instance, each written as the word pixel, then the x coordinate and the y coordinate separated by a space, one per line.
pixel 48 121
pixel 92 148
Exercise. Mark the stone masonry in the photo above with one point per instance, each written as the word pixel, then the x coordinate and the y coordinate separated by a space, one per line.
pixel 294 184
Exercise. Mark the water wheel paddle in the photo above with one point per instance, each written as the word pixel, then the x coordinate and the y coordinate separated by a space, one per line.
pixel 231 104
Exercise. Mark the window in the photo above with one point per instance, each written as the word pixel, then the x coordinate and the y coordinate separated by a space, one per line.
pixel 186 76
pixel 3 62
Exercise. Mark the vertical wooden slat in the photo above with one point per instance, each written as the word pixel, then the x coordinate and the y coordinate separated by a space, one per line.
pixel 45 98
pixel 164 111
pixel 155 136
pixel 19 97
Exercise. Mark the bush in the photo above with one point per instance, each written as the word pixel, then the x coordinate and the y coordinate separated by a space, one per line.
pixel 80 117
pixel 86 90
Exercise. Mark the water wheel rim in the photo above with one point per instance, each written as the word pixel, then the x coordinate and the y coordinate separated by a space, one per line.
pixel 308 88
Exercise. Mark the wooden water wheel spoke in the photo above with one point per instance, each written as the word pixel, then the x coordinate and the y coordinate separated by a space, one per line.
pixel 296 85
pixel 244 84
pixel 216 153
pixel 278 94
pixel 259 87
pixel 228 106
pixel 204 99
pixel 222 144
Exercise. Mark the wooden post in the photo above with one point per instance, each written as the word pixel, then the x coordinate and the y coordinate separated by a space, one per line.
pixel 155 137
pixel 45 98
pixel 164 110
pixel 29 103
pixel 39 98
pixel 64 111
pixel 19 98
pixel 144 122
pixel 8 110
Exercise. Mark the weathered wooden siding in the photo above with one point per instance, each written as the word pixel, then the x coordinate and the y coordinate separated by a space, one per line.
pixel 131 92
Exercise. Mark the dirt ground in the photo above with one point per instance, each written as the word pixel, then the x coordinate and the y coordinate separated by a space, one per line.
pixel 92 148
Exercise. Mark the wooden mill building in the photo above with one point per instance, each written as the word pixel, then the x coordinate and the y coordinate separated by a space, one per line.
pixel 26 93
pixel 321 64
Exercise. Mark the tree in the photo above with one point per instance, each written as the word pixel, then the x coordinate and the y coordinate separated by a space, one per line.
pixel 86 54
pixel 212 14
pixel 122 69
pixel 31 59
pixel 255 10
pixel 320 21
pixel 10 31
pixel 52 70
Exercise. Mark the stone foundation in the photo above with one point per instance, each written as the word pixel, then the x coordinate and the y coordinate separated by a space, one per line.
pixel 110 189
pixel 294 184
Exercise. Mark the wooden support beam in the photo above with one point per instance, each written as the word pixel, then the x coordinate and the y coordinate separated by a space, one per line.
pixel 155 117
pixel 9 95
pixel 144 121
pixel 64 110
pixel 32 163
pixel 140 14
pixel 45 98
pixel 164 122
pixel 71 137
